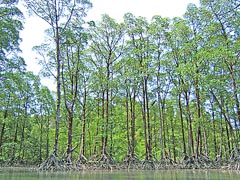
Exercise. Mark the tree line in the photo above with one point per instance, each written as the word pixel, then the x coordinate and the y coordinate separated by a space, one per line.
pixel 165 90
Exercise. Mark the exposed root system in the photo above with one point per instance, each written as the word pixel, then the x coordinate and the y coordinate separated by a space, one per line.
pixel 101 161
pixel 234 163
pixel 51 163
pixel 104 161
pixel 131 161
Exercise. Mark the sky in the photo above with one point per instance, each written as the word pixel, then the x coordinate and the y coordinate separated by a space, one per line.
pixel 33 33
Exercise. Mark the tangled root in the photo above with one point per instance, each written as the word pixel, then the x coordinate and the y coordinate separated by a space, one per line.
pixel 148 165
pixel 51 163
pixel 200 162
pixel 101 161
pixel 131 161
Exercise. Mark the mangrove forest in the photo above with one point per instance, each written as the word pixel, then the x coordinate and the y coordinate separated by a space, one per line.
pixel 137 94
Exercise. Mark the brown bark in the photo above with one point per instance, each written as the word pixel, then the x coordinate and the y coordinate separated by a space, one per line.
pixel 199 134
pixel 58 67
pixel 148 121
pixel 144 118
pixel 132 112
pixel 189 118
pixel 2 135
pixel 47 136
pixel 103 117
pixel 106 117
pixel 182 125
pixel 214 131
pixel 99 115
pixel 127 121
pixel 70 101
pixel 83 137
pixel 173 140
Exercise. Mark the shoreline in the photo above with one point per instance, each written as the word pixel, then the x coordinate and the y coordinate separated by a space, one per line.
pixel 129 166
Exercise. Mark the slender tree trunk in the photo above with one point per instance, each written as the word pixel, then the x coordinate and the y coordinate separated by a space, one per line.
pixel 173 140
pixel 221 138
pixel 199 136
pixel 214 131
pixel 164 131
pixel 2 135
pixel 205 141
pixel 127 121
pixel 99 115
pixel 187 94
pixel 70 104
pixel 22 148
pixel 237 104
pixel 228 138
pixel 148 121
pixel 41 139
pixel 144 119
pixel 103 124
pixel 105 139
pixel 83 137
pixel 90 141
pixel 82 157
pixel 111 126
pixel 69 141
pixel 132 112
pixel 155 130
pixel 3 129
pixel 161 124
pixel 228 125
pixel 58 79
pixel 182 125
pixel 15 139
pixel 47 136
pixel 198 143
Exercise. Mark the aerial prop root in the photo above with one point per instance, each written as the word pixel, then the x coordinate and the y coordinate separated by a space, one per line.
pixel 51 163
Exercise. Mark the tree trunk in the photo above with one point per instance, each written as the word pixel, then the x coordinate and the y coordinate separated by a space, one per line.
pixel 103 125
pixel 41 139
pixel 173 140
pixel 191 144
pixel 182 125
pixel 69 141
pixel 206 141
pixel 132 112
pixel 214 130
pixel 144 118
pixel 235 92
pixel 127 121
pixel 198 104
pixel 148 121
pixel 58 79
pixel 5 115
pixel 47 136
pixel 2 135
pixel 83 137
pixel 105 139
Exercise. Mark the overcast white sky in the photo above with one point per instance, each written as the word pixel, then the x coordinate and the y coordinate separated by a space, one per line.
pixel 33 33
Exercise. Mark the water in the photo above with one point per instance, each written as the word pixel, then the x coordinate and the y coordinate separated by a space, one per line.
pixel 26 174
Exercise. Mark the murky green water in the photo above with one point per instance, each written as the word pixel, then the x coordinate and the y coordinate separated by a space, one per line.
pixel 26 174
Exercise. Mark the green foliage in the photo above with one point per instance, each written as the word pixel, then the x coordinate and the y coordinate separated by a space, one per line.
pixel 162 85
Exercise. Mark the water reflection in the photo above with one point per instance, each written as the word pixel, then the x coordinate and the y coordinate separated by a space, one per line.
pixel 26 174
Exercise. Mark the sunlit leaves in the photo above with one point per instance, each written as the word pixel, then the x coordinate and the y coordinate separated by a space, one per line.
pixel 10 26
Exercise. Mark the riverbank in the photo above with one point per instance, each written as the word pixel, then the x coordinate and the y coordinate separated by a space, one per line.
pixel 130 163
